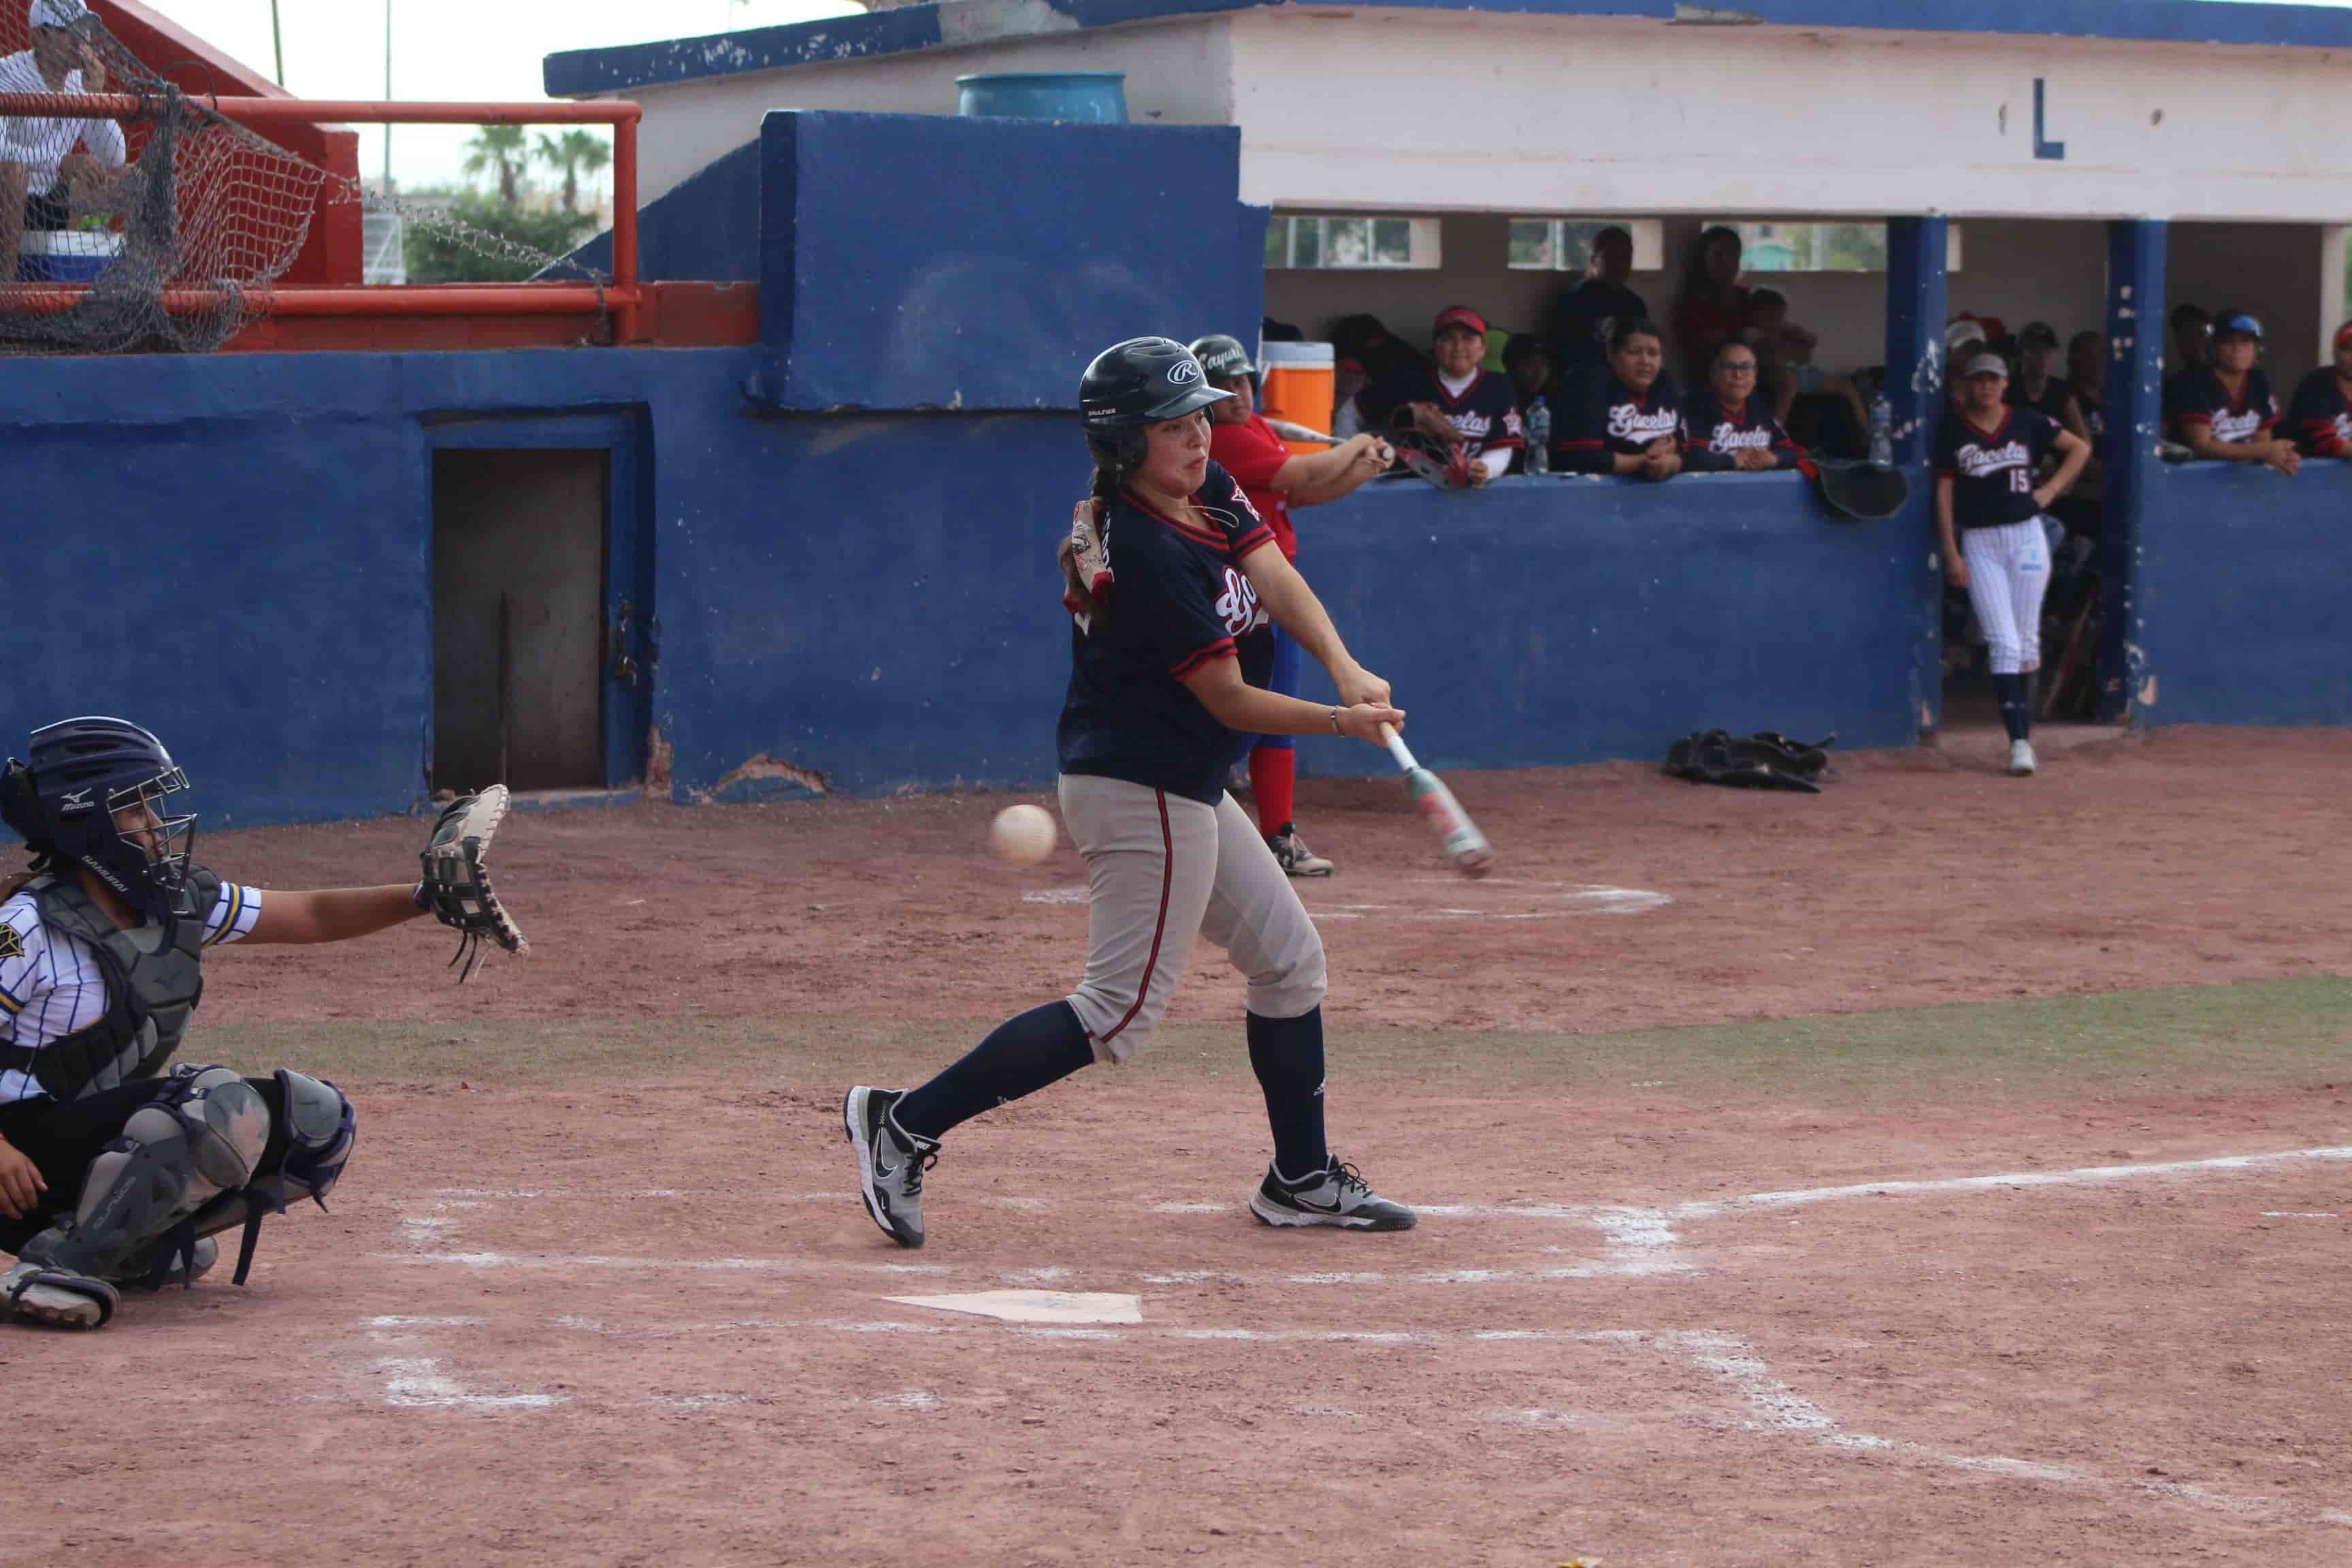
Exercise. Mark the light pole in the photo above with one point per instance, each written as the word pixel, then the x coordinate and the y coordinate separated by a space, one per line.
pixel 277 42
pixel 387 97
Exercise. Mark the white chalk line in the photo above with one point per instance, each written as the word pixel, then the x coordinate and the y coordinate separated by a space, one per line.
pixel 1632 1219
pixel 1778 1408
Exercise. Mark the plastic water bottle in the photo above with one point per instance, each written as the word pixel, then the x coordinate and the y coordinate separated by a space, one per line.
pixel 1539 437
pixel 1882 431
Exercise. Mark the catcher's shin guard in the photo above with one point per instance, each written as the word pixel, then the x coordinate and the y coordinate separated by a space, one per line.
pixel 321 1128
pixel 201 1137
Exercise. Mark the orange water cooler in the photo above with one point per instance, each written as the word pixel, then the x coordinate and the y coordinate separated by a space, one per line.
pixel 1295 383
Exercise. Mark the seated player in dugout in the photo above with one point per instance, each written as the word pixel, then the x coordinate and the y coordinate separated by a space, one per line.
pixel 54 168
pixel 2038 385
pixel 2226 411
pixel 116 1168
pixel 2193 351
pixel 1244 444
pixel 1627 419
pixel 1734 428
pixel 1478 408
pixel 2320 418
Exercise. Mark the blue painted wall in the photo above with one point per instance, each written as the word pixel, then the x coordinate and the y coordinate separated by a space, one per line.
pixel 580 72
pixel 1548 620
pixel 872 596
pixel 705 229
pixel 921 261
pixel 2242 585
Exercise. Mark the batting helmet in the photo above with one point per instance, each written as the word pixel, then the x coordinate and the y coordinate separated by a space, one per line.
pixel 1222 357
pixel 83 773
pixel 1142 382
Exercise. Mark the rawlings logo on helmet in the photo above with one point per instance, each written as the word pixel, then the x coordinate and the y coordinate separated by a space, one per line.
pixel 1184 372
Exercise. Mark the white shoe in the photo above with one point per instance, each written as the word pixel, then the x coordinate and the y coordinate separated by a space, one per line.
pixel 39 1294
pixel 2021 759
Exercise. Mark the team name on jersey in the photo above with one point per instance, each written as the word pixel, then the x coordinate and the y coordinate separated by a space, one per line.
pixel 1476 427
pixel 1628 422
pixel 2230 427
pixel 1730 437
pixel 1981 462
pixel 1238 604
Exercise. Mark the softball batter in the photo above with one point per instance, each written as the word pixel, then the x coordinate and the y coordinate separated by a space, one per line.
pixel 1167 567
pixel 1985 458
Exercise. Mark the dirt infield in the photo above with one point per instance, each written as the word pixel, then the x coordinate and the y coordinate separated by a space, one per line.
pixel 595 1291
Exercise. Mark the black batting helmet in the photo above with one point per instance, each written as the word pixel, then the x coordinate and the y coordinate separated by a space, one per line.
pixel 1222 357
pixel 1142 382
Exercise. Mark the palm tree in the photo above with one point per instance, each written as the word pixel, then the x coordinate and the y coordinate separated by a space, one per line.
pixel 574 153
pixel 499 147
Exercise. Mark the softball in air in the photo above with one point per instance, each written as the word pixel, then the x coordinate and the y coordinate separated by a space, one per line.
pixel 1021 835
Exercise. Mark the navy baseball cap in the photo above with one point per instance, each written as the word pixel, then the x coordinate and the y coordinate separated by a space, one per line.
pixel 2237 323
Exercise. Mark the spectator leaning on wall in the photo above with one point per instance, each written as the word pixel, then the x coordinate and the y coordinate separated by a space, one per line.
pixel 1734 428
pixel 2321 415
pixel 1580 333
pixel 1625 418
pixel 1480 408
pixel 2226 410
pixel 1275 480
pixel 44 180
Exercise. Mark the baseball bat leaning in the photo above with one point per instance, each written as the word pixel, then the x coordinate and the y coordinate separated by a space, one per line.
pixel 1464 845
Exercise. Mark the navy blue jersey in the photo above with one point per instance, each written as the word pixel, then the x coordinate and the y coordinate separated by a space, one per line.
pixel 1178 599
pixel 1716 434
pixel 2204 401
pixel 2320 418
pixel 1993 471
pixel 2051 405
pixel 1580 333
pixel 1604 418
pixel 1487 415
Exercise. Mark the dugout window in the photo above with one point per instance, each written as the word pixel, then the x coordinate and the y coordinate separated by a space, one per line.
pixel 518 574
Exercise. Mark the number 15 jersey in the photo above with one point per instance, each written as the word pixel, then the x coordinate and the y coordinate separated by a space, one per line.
pixel 1993 471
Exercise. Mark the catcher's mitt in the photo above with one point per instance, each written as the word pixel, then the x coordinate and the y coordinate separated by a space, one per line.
pixel 457 886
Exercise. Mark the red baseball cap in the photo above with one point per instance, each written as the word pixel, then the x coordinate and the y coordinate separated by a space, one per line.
pixel 2344 336
pixel 1460 316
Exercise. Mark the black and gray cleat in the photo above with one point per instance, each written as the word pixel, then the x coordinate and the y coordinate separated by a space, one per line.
pixel 890 1162
pixel 1336 1194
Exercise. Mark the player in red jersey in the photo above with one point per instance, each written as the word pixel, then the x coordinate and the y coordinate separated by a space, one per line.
pixel 1276 478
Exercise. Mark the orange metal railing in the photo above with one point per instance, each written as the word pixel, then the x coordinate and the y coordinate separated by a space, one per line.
pixel 622 297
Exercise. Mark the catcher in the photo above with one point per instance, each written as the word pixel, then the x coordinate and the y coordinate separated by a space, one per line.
pixel 116 1168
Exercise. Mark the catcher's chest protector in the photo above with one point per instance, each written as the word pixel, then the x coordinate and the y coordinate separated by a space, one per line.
pixel 153 979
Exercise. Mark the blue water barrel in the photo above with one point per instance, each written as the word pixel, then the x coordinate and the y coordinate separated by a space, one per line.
pixel 1091 97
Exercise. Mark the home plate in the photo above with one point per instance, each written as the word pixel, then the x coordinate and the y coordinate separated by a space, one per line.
pixel 1037 1306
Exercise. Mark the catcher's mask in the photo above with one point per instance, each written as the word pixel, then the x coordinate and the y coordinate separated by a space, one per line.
pixel 95 794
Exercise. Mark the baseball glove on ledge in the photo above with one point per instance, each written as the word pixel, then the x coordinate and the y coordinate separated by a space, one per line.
pixel 457 888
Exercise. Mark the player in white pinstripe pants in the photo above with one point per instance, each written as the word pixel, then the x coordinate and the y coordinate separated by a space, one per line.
pixel 1989 510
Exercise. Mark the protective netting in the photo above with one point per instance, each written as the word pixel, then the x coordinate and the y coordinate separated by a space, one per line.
pixel 181 247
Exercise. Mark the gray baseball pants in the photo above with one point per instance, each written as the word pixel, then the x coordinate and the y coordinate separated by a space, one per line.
pixel 1162 869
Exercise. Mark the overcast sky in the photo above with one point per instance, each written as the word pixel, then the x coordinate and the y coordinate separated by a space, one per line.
pixel 471 50
pixel 478 49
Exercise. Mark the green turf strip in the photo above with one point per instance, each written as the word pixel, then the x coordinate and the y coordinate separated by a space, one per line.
pixel 2257 1035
